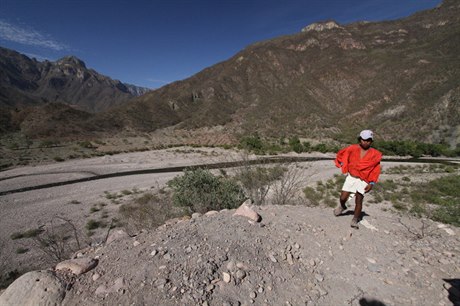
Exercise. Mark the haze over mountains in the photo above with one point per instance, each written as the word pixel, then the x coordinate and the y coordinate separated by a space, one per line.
pixel 399 77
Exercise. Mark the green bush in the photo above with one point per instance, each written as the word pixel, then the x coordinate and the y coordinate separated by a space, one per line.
pixel 256 181
pixel 200 191
pixel 252 143
pixel 93 224
pixel 295 145
pixel 414 148
pixel 27 234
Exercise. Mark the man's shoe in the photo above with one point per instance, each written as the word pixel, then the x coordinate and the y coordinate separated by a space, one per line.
pixel 354 223
pixel 339 210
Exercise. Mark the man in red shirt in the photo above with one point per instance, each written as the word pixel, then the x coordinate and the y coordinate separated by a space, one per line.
pixel 362 164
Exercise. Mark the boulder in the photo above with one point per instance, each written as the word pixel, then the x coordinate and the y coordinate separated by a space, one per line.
pixel 34 288
pixel 117 235
pixel 78 265
pixel 245 211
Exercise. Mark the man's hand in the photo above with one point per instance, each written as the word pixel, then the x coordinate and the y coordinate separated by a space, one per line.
pixel 368 188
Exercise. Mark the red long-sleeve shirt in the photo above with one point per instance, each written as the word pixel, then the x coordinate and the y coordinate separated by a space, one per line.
pixel 366 168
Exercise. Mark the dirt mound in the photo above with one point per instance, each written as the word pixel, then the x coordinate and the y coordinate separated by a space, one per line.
pixel 295 255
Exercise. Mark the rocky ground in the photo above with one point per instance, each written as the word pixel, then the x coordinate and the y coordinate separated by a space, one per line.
pixel 294 255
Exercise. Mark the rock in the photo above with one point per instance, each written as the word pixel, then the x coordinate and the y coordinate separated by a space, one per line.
pixel 118 285
pixel 245 211
pixel 96 276
pixel 272 257
pixel 230 265
pixel 226 277
pixel 78 265
pixel 240 274
pixel 211 213
pixel 373 267
pixel 289 259
pixel 116 235
pixel 167 256
pixel 319 277
pixel 136 243
pixel 34 288
pixel 154 252
pixel 196 215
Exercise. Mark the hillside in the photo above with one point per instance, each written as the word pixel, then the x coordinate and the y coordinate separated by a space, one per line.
pixel 28 82
pixel 327 80
pixel 295 256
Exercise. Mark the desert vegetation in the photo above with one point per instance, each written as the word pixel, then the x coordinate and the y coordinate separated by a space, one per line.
pixel 436 198
pixel 19 150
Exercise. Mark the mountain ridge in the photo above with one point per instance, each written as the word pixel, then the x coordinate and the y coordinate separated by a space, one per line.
pixel 397 77
pixel 28 82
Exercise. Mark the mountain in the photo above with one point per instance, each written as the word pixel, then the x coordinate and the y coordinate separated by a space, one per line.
pixel 397 77
pixel 28 82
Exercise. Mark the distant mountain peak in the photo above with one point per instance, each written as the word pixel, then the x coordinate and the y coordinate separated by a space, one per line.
pixel 321 26
pixel 71 60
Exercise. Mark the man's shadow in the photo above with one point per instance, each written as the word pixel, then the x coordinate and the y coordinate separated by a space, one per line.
pixel 367 302
pixel 351 212
pixel 454 291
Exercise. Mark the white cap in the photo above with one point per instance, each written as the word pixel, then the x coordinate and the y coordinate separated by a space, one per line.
pixel 366 134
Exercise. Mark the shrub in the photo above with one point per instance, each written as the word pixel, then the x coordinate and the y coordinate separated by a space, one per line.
pixel 252 143
pixel 27 234
pixel 295 145
pixel 149 211
pixel 256 181
pixel 21 250
pixel 93 224
pixel 200 191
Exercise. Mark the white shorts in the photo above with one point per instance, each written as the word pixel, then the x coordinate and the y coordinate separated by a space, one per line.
pixel 353 184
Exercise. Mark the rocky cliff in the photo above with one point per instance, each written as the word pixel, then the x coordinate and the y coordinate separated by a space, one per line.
pixel 28 82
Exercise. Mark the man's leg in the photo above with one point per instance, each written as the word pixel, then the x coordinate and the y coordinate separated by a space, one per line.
pixel 358 205
pixel 358 209
pixel 343 199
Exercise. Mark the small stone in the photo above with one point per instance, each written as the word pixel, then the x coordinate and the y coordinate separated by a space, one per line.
pixel 210 288
pixel 211 213
pixel 226 277
pixel 371 260
pixel 136 243
pixel 240 274
pixel 289 259
pixel 260 290
pixel 96 276
pixel 253 295
pixel 230 265
pixel 167 256
pixel 373 268
pixel 319 277
pixel 272 257
pixel 196 215
pixel 154 252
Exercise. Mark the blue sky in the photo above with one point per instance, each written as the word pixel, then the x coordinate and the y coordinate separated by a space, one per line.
pixel 152 43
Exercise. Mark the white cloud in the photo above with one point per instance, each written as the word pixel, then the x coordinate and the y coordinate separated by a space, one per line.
pixel 29 37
